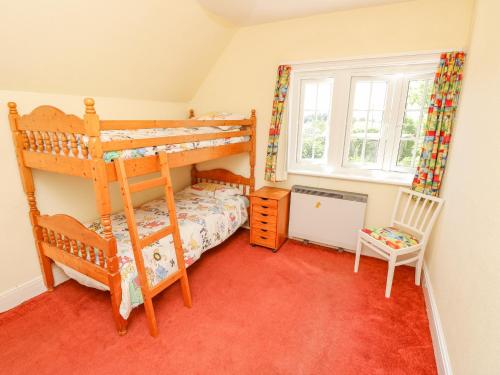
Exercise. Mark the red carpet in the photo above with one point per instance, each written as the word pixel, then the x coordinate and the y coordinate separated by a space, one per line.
pixel 299 311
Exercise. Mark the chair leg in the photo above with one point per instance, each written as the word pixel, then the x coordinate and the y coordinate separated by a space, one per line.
pixel 418 268
pixel 358 255
pixel 390 275
pixel 150 316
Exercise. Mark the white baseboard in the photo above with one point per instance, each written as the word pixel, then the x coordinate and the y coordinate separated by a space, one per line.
pixel 27 290
pixel 437 333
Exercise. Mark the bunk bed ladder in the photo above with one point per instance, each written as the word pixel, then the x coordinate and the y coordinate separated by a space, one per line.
pixel 139 243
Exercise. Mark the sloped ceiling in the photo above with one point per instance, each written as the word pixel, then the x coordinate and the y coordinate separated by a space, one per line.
pixel 143 49
pixel 147 49
pixel 251 12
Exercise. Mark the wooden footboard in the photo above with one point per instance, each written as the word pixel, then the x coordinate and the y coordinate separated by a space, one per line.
pixel 223 176
pixel 64 239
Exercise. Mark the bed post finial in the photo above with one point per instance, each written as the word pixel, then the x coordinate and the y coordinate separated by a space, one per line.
pixel 191 113
pixel 13 115
pixel 12 108
pixel 252 113
pixel 89 105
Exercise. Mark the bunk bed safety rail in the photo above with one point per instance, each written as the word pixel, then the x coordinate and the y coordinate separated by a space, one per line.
pixel 64 239
pixel 158 124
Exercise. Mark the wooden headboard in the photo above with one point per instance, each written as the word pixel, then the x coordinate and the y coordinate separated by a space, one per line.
pixel 222 176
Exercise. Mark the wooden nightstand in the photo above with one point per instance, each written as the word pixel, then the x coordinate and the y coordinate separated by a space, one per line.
pixel 269 209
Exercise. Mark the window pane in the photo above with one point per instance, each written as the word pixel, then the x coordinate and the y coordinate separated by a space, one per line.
pixel 424 123
pixel 406 152
pixel 356 150
pixel 362 95
pixel 319 148
pixel 379 91
pixel 367 110
pixel 371 151
pixel 306 148
pixel 310 95
pixel 418 151
pixel 324 97
pixel 375 123
pixel 414 121
pixel 359 119
pixel 411 124
pixel 416 94
pixel 316 103
pixel 307 122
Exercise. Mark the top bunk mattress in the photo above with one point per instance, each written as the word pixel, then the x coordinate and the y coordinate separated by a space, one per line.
pixel 123 135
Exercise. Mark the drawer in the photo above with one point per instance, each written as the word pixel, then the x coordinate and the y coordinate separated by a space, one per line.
pixel 267 240
pixel 261 216
pixel 265 202
pixel 269 211
pixel 264 231
pixel 264 224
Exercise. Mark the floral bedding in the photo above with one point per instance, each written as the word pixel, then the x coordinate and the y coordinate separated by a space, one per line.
pixel 120 135
pixel 204 222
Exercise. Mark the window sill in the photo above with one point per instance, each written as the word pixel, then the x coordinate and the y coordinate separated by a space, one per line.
pixel 377 177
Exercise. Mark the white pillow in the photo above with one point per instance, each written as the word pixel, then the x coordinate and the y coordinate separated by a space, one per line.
pixel 222 116
pixel 210 189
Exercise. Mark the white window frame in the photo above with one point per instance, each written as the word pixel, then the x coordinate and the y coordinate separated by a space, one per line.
pixel 302 83
pixel 399 124
pixel 383 131
pixel 343 72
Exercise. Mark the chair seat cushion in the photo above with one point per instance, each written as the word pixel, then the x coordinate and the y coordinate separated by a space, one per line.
pixel 392 237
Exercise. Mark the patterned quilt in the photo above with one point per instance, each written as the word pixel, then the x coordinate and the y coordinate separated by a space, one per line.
pixel 204 223
pixel 120 135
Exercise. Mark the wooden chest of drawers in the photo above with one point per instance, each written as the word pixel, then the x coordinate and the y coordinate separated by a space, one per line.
pixel 269 209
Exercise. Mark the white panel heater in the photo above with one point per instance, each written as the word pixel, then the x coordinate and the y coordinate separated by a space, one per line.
pixel 327 217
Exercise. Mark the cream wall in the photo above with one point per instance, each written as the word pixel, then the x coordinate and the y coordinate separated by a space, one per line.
pixel 57 193
pixel 464 255
pixel 143 49
pixel 244 75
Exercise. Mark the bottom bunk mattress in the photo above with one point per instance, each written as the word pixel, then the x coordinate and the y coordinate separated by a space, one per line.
pixel 204 222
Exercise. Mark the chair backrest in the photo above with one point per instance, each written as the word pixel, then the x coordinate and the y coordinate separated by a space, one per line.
pixel 416 212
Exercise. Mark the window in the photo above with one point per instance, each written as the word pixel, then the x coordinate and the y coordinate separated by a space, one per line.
pixel 316 99
pixel 359 119
pixel 411 132
pixel 366 115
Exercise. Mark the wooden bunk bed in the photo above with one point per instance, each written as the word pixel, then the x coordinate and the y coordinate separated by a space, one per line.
pixel 50 140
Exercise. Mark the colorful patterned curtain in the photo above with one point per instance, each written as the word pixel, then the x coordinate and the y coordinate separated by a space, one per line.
pixel 442 108
pixel 280 93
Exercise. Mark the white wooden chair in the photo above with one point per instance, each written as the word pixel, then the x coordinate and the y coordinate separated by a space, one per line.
pixel 413 217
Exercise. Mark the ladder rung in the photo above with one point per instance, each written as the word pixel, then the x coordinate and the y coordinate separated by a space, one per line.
pixel 165 283
pixel 148 184
pixel 148 240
